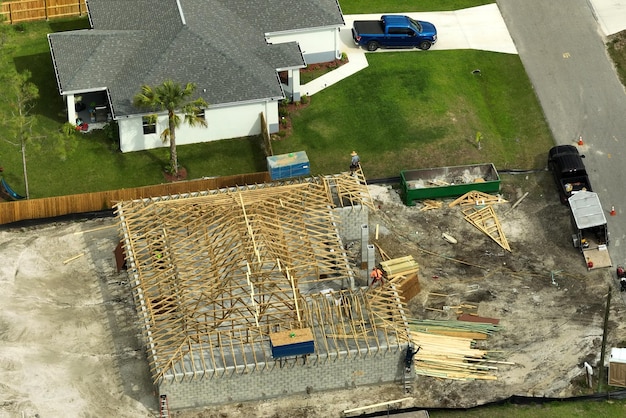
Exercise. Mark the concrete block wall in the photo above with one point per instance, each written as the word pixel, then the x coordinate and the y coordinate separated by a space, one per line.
pixel 352 217
pixel 288 377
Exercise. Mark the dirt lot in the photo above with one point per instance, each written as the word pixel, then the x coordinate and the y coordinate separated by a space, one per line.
pixel 69 337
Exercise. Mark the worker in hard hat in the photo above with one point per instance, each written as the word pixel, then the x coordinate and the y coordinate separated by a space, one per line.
pixel 355 162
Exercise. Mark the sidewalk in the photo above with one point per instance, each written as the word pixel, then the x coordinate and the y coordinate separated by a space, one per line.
pixel 610 15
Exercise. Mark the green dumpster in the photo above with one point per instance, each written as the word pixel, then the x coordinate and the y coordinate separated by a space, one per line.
pixel 432 183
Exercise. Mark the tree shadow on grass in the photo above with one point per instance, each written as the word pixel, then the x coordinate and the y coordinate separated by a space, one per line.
pixel 50 104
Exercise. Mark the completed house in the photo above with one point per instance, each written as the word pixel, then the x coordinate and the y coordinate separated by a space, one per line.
pixel 232 50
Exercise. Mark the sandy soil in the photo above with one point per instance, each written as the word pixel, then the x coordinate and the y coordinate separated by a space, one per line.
pixel 70 343
pixel 68 334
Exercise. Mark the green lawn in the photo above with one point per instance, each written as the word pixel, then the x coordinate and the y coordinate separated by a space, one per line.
pixel 407 110
pixel 399 6
pixel 616 47
pixel 95 164
pixel 424 109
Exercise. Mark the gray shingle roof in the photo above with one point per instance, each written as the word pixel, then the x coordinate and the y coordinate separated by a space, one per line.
pixel 217 44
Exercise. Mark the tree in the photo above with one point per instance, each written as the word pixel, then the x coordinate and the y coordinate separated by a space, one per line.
pixel 172 97
pixel 22 95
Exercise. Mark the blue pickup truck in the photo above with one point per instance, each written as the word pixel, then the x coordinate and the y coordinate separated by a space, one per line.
pixel 393 31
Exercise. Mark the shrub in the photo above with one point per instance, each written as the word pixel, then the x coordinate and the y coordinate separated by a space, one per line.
pixel 111 132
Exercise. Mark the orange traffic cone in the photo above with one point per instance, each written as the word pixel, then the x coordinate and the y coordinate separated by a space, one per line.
pixel 580 141
pixel 613 213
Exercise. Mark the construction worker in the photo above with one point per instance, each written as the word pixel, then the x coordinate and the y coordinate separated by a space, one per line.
pixel 355 162
pixel 621 275
pixel 377 276
pixel 408 359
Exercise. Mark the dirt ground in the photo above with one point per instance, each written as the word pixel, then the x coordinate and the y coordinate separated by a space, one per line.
pixel 70 340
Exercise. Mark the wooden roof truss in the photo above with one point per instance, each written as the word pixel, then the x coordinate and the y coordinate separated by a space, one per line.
pixel 215 272
pixel 486 220
pixel 348 189
pixel 477 198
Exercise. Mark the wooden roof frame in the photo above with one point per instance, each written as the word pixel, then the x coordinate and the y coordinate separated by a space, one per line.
pixel 215 271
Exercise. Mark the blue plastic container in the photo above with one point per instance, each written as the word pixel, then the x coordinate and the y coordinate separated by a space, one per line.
pixel 284 166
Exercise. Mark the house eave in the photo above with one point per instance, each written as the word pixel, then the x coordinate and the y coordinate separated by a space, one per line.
pixel 303 30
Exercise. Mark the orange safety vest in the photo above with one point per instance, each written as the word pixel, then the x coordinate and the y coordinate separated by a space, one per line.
pixel 376 274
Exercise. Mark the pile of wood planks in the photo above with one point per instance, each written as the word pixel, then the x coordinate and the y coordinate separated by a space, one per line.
pixel 452 328
pixel 447 349
pixel 451 358
pixel 403 273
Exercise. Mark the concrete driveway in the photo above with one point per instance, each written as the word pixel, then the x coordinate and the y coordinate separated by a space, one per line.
pixel 475 28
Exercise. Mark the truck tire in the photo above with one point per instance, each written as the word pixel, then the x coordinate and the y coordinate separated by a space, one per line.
pixel 372 46
pixel 425 45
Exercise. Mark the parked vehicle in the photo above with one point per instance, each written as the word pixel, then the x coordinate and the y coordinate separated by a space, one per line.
pixel 568 170
pixel 393 31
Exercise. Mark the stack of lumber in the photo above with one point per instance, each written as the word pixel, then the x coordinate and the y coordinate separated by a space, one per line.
pixel 473 330
pixel 448 356
pixel 403 273
pixel 399 266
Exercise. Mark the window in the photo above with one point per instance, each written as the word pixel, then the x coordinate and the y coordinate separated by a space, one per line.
pixel 149 125
pixel 200 114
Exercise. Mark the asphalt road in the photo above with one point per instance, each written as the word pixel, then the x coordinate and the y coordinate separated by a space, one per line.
pixel 562 49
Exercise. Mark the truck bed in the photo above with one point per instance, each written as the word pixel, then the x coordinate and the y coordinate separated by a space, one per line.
pixel 369 27
pixel 598 256
pixel 575 184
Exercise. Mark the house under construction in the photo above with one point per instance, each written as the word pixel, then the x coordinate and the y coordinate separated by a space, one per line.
pixel 247 293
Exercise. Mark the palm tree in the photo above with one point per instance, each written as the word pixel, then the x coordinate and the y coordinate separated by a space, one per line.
pixel 171 96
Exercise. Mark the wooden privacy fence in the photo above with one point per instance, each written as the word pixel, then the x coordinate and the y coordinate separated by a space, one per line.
pixel 51 207
pixel 28 10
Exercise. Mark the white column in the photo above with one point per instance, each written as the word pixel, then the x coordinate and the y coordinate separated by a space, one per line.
pixel 294 84
pixel 271 116
pixel 71 108
pixel 338 44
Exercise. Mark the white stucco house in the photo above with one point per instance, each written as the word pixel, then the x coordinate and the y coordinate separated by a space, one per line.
pixel 232 50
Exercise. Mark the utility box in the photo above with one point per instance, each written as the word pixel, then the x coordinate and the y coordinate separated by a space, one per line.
pixel 294 164
pixel 617 367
